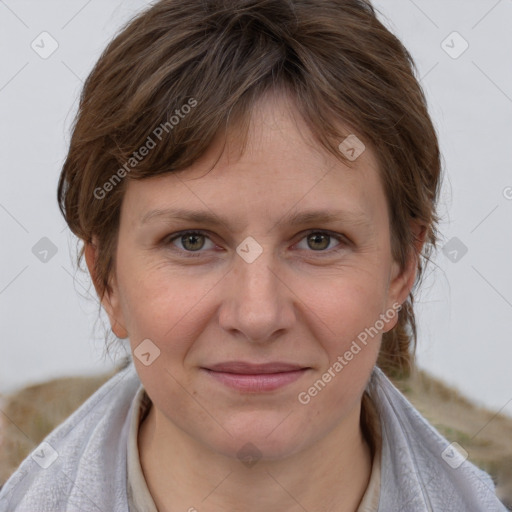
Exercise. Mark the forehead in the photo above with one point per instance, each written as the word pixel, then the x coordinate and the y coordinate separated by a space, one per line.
pixel 280 172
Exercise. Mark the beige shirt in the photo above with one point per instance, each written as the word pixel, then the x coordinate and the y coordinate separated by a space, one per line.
pixel 140 499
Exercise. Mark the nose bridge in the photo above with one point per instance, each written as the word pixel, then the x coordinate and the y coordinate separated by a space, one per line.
pixel 258 304
pixel 257 278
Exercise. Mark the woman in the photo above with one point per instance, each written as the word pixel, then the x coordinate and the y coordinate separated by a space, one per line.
pixel 255 184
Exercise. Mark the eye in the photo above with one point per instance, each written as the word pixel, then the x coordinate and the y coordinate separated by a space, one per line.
pixel 191 242
pixel 319 241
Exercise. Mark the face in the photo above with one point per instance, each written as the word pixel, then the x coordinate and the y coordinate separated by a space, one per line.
pixel 248 315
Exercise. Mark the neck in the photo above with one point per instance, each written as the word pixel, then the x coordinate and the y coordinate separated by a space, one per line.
pixel 183 474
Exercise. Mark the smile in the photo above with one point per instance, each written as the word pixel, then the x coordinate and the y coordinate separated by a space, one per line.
pixel 255 378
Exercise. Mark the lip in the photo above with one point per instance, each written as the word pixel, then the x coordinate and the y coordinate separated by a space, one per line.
pixel 243 367
pixel 250 377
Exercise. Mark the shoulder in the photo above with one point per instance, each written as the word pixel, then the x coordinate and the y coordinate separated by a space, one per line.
pixel 81 461
pixel 420 468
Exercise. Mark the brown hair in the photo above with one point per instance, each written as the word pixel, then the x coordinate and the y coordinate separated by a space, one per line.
pixel 184 70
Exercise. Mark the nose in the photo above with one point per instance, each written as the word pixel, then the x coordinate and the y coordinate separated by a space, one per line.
pixel 258 304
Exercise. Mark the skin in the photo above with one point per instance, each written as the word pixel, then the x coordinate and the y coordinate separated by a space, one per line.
pixel 300 301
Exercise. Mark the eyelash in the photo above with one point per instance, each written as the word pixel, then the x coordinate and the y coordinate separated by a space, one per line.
pixel 195 254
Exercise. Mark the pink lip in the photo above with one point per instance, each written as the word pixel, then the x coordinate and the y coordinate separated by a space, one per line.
pixel 255 377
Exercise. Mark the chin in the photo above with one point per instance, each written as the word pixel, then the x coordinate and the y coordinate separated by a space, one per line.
pixel 265 437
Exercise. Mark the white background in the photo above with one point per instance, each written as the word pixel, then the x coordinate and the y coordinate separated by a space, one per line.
pixel 49 324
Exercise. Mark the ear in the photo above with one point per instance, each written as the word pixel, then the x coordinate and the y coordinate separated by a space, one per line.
pixel 402 281
pixel 110 300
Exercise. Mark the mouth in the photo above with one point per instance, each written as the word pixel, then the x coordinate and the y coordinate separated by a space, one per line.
pixel 255 378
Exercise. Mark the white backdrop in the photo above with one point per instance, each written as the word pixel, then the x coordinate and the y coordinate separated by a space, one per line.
pixel 49 322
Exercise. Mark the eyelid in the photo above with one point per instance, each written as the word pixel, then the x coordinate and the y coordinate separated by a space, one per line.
pixel 342 239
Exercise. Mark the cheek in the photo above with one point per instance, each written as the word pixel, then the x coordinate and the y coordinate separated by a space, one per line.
pixel 350 334
pixel 161 304
pixel 347 306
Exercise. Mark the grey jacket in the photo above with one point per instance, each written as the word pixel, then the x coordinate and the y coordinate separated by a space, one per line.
pixel 81 465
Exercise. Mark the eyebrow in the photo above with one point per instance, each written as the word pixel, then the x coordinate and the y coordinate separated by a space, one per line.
pixel 356 218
